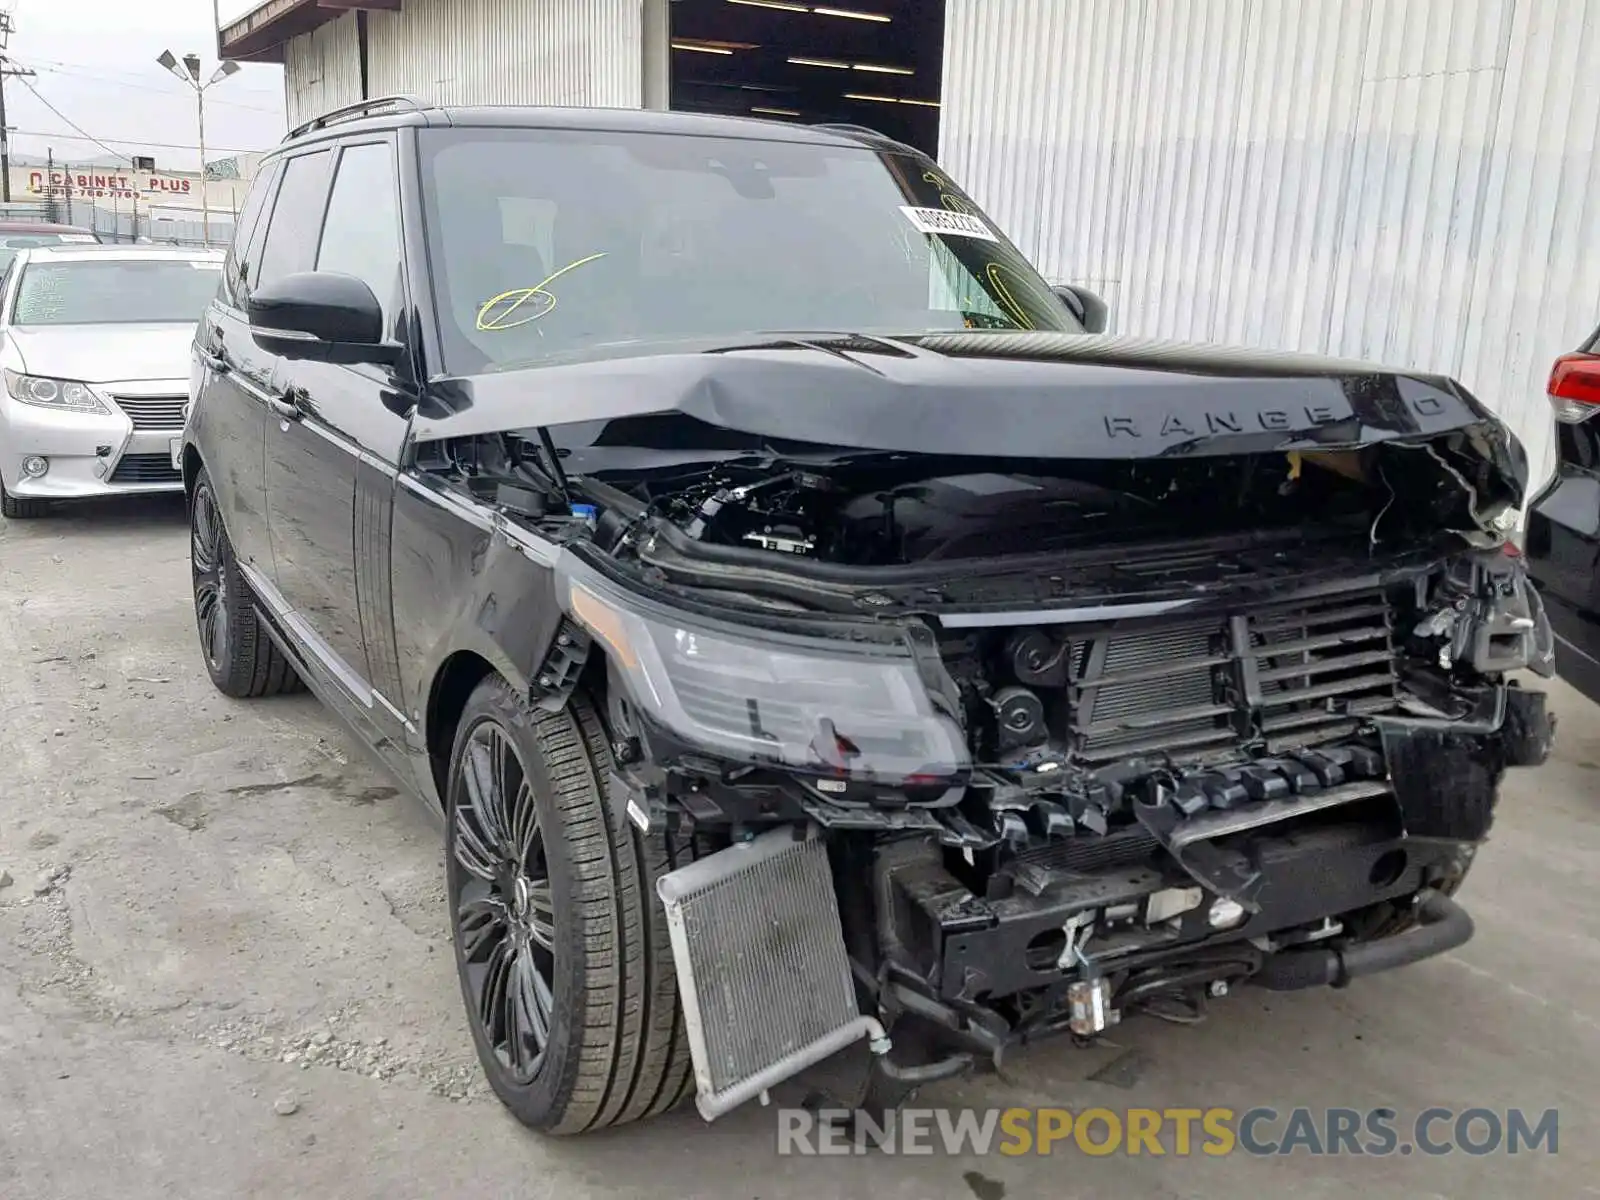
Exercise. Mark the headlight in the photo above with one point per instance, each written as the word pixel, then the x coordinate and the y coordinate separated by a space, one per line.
pixel 809 704
pixel 65 394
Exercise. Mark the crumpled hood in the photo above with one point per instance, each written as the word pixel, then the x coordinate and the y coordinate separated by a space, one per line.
pixel 105 353
pixel 1008 395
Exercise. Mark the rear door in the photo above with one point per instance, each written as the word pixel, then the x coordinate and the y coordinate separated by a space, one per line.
pixel 228 383
pixel 1563 543
pixel 331 466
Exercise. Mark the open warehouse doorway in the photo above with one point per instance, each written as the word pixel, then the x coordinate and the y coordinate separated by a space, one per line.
pixel 876 63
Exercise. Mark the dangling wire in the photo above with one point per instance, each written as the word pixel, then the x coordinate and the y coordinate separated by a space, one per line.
pixel 1372 534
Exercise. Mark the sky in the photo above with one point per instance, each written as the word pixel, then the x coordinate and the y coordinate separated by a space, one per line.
pixel 96 64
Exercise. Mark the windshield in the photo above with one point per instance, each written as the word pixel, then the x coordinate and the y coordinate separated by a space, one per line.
pixel 115 292
pixel 549 243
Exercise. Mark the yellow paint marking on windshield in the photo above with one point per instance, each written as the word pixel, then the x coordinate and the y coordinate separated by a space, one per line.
pixel 996 274
pixel 948 200
pixel 515 298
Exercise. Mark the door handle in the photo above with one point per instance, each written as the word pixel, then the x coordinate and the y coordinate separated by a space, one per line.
pixel 210 349
pixel 287 409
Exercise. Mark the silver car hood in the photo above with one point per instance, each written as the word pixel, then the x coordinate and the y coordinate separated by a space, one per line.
pixel 105 353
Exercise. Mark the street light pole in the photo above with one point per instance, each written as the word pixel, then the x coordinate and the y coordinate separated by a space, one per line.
pixel 189 72
pixel 205 196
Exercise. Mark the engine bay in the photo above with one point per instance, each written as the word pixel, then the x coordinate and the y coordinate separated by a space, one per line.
pixel 873 511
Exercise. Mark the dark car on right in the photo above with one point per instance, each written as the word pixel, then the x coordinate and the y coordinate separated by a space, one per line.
pixel 1563 543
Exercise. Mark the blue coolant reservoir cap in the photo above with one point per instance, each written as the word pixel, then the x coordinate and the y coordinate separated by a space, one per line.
pixel 585 512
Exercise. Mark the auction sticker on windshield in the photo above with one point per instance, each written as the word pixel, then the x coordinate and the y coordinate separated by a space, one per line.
pixel 949 224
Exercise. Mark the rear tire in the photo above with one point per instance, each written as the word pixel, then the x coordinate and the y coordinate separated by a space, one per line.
pixel 241 659
pixel 17 508
pixel 614 1048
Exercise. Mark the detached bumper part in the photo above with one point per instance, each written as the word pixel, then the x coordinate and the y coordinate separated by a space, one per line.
pixel 762 969
pixel 1443 925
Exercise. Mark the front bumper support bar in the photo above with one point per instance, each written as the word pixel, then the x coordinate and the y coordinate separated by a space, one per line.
pixel 1442 925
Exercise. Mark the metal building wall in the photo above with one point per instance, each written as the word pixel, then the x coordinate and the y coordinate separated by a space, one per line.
pixel 1415 181
pixel 321 70
pixel 580 52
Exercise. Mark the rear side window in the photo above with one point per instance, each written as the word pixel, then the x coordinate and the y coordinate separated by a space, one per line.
pixel 361 232
pixel 296 219
pixel 246 239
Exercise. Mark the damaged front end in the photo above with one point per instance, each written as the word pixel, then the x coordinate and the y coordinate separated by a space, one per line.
pixel 978 749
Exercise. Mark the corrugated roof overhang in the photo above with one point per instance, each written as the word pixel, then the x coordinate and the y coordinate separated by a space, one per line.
pixel 261 34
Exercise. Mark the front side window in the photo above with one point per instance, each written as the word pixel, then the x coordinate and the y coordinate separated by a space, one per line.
pixel 115 292
pixel 552 243
pixel 296 219
pixel 361 233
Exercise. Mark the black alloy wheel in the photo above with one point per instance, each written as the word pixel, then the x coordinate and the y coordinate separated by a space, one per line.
pixel 502 900
pixel 208 562
pixel 561 945
pixel 240 658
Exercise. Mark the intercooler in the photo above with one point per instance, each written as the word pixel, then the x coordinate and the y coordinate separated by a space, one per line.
pixel 1286 675
pixel 762 969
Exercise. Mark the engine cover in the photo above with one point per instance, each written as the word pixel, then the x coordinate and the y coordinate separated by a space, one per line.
pixel 976 516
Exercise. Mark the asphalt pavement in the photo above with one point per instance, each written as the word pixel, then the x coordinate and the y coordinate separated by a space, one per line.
pixel 225 968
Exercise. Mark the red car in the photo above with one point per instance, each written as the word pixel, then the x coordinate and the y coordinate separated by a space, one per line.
pixel 15 235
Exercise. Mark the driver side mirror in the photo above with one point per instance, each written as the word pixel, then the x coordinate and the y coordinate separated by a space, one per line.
pixel 1087 309
pixel 323 316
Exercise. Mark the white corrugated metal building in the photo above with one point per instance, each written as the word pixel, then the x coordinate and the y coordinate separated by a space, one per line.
pixel 1415 181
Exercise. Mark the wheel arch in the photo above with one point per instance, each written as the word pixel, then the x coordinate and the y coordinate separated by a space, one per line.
pixel 454 682
pixel 192 466
pixel 457 678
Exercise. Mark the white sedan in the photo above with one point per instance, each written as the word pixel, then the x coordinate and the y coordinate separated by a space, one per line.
pixel 94 349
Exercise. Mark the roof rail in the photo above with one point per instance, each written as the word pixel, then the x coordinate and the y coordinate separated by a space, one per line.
pixel 842 127
pixel 349 112
pixel 864 131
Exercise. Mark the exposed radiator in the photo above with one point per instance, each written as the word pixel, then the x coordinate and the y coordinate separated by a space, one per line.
pixel 1285 674
pixel 762 969
pixel 1321 666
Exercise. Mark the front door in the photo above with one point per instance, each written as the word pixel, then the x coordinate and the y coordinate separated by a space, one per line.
pixel 332 450
pixel 231 374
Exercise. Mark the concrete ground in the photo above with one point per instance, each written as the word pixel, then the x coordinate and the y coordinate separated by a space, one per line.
pixel 236 912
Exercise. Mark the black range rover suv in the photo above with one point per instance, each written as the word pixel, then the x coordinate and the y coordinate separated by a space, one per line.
pixel 829 657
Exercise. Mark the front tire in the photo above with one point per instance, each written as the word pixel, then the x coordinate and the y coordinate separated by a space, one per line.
pixel 561 944
pixel 15 508
pixel 241 659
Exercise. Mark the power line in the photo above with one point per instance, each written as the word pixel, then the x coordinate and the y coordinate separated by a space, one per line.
pixel 68 137
pixel 102 72
pixel 92 77
pixel 23 79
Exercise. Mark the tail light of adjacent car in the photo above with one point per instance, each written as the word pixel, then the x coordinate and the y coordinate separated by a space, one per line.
pixel 1575 387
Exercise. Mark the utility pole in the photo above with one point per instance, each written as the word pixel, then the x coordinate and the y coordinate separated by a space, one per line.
pixel 6 68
